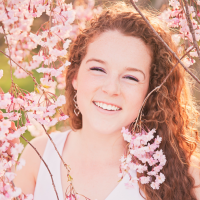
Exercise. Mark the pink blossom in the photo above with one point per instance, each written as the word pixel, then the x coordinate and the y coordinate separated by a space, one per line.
pixel 16 192
pixel 5 125
pixel 188 61
pixel 10 175
pixel 145 179
pixel 158 140
pixel 194 54
pixel 152 147
pixel 4 146
pixel 157 168
pixel 162 160
pixel 158 154
pixel 155 185
pixel 18 101
pixel 38 58
pixel 52 122
pixel 141 168
pixel 29 197
pixel 51 107
pixel 35 38
pixel 47 83
pixel 1 73
pixel 160 178
pixel 144 152
pixel 151 161
pixel 137 141
pixel 63 117
pixel 66 44
pixel 20 164
pixel 133 166
pixel 129 185
pixel 17 133
pixel 19 73
pixel 17 149
pixel 122 159
pixel 60 100
pixel 128 158
pixel 174 3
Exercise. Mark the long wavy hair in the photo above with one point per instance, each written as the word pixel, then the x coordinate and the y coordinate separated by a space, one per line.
pixel 171 110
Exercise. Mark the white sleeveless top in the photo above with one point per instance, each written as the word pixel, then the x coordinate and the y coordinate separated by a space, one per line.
pixel 44 189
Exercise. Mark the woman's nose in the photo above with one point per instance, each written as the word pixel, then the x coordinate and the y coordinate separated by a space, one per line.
pixel 111 86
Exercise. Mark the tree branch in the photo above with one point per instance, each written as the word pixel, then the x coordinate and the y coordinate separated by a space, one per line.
pixel 164 43
pixel 56 149
pixel 21 67
pixel 192 31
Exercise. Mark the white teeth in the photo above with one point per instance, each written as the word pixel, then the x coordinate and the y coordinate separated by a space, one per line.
pixel 106 106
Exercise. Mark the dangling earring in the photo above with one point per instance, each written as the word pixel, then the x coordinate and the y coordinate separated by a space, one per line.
pixel 76 109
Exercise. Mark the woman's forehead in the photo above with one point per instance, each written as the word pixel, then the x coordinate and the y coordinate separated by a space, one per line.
pixel 114 47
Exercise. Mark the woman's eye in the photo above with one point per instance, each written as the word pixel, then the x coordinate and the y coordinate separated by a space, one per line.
pixel 97 69
pixel 132 78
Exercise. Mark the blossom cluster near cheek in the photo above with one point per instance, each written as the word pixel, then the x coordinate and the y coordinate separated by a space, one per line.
pixel 175 17
pixel 143 155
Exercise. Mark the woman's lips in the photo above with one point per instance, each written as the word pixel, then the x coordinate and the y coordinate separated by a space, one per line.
pixel 107 107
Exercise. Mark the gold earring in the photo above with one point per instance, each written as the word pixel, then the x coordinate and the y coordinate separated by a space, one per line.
pixel 76 109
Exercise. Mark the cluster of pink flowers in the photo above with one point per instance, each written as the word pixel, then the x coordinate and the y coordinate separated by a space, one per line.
pixel 175 17
pixel 9 157
pixel 143 154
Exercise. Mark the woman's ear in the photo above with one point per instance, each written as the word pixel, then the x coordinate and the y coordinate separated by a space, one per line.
pixel 75 83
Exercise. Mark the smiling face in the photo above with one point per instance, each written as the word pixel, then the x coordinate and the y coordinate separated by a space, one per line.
pixel 112 81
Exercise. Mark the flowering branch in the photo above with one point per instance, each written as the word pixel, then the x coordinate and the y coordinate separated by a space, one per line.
pixel 197 17
pixel 191 28
pixel 20 67
pixel 164 43
pixel 9 52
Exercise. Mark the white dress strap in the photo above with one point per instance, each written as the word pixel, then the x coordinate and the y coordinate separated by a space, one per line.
pixel 44 189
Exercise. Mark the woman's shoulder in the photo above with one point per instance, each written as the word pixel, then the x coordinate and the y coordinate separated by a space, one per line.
pixel 38 145
pixel 30 153
pixel 194 170
pixel 26 177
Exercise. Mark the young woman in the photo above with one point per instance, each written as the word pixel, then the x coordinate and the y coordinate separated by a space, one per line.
pixel 115 62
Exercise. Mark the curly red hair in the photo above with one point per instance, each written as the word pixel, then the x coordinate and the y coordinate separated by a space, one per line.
pixel 170 110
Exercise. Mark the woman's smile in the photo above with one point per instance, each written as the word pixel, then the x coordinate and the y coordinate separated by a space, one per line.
pixel 106 108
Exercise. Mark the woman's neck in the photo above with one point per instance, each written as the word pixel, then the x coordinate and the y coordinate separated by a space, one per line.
pixel 100 147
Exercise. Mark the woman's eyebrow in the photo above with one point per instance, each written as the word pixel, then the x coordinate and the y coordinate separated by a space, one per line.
pixel 96 60
pixel 134 69
pixel 127 68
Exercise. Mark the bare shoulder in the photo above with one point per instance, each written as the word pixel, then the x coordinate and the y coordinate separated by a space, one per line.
pixel 194 170
pixel 31 156
pixel 26 177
